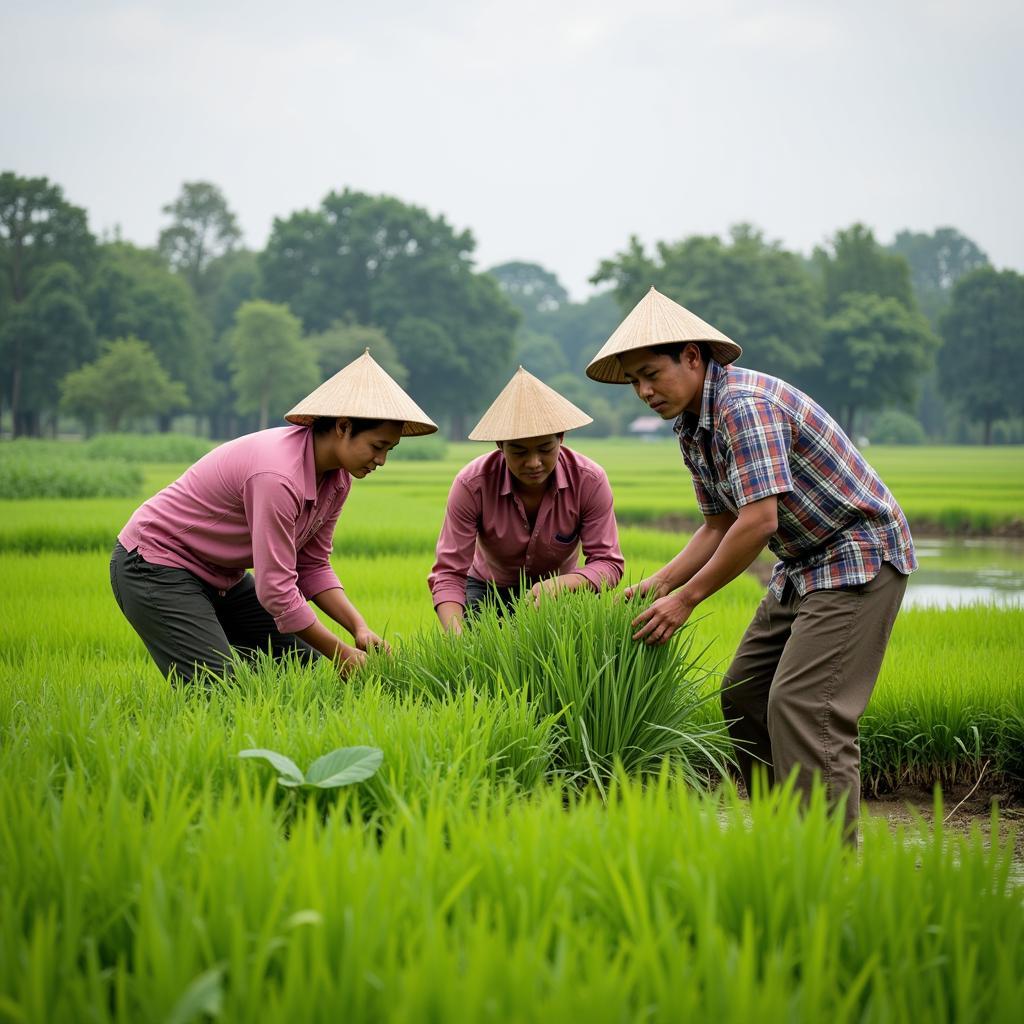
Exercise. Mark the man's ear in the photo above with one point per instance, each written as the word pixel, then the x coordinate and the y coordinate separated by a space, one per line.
pixel 343 426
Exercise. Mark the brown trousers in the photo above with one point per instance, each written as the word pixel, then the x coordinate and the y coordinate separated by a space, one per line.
pixel 801 679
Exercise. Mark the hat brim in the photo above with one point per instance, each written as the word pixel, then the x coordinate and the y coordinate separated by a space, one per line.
pixel 608 369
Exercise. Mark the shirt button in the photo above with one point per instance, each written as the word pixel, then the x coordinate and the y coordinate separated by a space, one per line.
pixel 222 592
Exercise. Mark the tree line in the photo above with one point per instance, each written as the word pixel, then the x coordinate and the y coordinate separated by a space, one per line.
pixel 924 331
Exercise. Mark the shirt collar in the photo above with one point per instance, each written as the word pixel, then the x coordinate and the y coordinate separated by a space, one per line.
pixel 689 424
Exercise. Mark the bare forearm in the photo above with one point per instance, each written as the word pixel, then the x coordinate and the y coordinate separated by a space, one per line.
pixel 742 543
pixel 697 553
pixel 450 614
pixel 336 604
pixel 321 639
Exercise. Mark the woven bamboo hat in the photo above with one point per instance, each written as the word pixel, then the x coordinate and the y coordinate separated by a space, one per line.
pixel 657 320
pixel 527 407
pixel 365 390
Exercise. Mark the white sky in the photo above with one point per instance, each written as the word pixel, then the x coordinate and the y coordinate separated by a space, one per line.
pixel 551 129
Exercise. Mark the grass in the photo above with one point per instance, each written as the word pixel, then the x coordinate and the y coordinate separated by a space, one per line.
pixel 148 873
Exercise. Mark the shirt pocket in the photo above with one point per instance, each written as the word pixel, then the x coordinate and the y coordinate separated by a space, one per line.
pixel 569 538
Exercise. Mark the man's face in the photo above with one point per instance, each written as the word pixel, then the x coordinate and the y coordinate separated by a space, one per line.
pixel 667 386
pixel 531 460
pixel 362 454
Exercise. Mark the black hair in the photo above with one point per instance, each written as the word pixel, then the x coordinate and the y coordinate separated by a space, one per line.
pixel 325 424
pixel 674 350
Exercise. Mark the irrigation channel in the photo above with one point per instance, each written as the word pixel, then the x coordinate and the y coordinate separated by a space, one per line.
pixel 954 573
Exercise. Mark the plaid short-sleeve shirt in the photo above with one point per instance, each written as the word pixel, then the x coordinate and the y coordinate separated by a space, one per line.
pixel 756 436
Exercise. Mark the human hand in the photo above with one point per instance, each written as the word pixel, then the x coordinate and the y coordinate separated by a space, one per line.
pixel 545 588
pixel 657 624
pixel 350 659
pixel 651 585
pixel 366 640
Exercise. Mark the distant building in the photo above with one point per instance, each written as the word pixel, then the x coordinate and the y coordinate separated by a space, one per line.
pixel 650 428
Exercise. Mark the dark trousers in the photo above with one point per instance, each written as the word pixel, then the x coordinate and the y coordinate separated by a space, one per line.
pixel 801 679
pixel 479 592
pixel 189 626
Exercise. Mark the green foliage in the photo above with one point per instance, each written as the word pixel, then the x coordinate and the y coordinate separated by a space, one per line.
pixel 854 263
pixel 126 382
pixel 874 353
pixel 273 367
pixel 981 366
pixel 937 261
pixel 27 473
pixel 429 448
pixel 134 294
pixel 750 289
pixel 342 767
pixel 376 260
pixel 342 342
pixel 534 291
pixel 614 701
pixel 202 228
pixel 156 448
pixel 540 354
pixel 896 427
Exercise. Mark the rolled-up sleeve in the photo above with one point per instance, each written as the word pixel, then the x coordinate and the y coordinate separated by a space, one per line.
pixel 313 564
pixel 272 508
pixel 599 535
pixel 456 545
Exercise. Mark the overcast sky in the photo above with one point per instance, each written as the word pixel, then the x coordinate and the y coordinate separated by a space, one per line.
pixel 553 130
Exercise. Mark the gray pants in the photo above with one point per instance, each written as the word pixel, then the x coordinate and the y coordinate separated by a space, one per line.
pixel 190 627
pixel 479 592
pixel 801 679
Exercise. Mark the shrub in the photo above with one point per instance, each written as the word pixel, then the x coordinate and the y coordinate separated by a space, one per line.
pixel 896 427
pixel 24 474
pixel 148 447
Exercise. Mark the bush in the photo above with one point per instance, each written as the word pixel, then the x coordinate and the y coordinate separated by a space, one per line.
pixel 432 448
pixel 896 427
pixel 573 659
pixel 25 474
pixel 148 447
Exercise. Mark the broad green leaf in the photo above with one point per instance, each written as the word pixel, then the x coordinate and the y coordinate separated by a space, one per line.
pixel 291 775
pixel 204 995
pixel 344 766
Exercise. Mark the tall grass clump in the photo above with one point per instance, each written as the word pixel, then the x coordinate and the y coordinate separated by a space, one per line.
pixel 177 448
pixel 613 700
pixel 26 474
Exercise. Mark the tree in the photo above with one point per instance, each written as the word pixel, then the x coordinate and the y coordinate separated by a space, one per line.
pixel 273 366
pixel 376 260
pixel 540 354
pixel 750 289
pixel 874 353
pixel 202 228
pixel 981 367
pixel 854 263
pixel 38 227
pixel 533 290
pixel 342 342
pixel 133 293
pixel 125 383
pixel 47 335
pixel 937 261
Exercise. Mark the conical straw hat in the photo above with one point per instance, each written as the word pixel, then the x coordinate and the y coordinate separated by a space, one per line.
pixel 365 390
pixel 527 407
pixel 657 320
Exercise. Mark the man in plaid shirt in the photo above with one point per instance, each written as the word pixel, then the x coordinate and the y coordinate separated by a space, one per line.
pixel 771 468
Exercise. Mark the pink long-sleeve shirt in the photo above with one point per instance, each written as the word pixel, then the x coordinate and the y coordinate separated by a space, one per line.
pixel 486 532
pixel 250 503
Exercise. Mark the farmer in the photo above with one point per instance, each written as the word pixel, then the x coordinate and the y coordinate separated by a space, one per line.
pixel 270 501
pixel 771 467
pixel 522 512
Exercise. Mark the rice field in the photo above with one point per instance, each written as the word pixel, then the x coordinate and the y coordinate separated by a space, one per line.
pixel 527 850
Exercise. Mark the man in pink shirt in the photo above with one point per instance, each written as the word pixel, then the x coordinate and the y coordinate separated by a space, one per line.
pixel 521 513
pixel 269 501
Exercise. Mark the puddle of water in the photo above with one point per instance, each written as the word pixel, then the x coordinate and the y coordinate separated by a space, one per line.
pixel 954 573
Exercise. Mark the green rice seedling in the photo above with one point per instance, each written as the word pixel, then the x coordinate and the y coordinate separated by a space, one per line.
pixel 615 701
pixel 342 767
